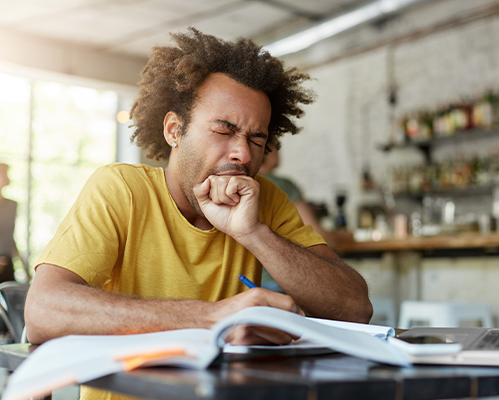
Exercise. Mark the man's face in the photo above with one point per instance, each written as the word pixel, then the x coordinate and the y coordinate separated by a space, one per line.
pixel 226 136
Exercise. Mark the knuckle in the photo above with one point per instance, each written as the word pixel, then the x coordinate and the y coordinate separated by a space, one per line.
pixel 255 295
pixel 288 302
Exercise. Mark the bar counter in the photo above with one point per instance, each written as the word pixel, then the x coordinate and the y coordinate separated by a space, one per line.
pixel 454 267
pixel 488 243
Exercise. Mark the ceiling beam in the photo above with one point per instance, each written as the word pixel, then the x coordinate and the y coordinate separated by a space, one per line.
pixel 308 37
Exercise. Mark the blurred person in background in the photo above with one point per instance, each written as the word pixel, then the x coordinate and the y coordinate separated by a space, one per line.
pixel 8 249
pixel 306 210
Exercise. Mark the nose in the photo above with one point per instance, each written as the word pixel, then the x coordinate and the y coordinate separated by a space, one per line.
pixel 240 151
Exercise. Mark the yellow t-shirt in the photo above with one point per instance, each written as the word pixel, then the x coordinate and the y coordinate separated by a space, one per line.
pixel 125 235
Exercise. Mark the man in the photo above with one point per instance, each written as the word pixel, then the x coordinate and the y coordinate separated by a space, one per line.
pixel 144 249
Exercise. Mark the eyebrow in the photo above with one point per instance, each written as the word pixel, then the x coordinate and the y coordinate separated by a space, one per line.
pixel 235 128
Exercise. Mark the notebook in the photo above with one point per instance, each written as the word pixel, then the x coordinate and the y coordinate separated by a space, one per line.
pixel 81 358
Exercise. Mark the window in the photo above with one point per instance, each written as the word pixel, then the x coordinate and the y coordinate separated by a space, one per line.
pixel 53 136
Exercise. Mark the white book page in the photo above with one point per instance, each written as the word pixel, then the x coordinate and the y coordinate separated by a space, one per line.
pixel 296 347
pixel 305 344
pixel 81 358
pixel 352 342
pixel 374 330
pixel 78 359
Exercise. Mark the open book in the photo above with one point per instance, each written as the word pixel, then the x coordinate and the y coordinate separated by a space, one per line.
pixel 79 359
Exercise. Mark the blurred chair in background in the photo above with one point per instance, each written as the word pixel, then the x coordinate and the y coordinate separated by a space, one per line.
pixel 12 298
pixel 444 314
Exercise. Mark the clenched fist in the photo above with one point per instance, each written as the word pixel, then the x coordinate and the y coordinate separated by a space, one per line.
pixel 230 203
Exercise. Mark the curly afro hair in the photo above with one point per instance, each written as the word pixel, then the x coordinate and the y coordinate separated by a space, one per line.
pixel 172 75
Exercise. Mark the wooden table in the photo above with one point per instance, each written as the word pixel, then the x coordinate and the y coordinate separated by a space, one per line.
pixel 323 377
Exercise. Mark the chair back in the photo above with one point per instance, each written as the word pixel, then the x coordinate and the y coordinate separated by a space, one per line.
pixel 444 314
pixel 13 296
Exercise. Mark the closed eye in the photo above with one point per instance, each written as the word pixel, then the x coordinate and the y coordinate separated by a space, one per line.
pixel 259 139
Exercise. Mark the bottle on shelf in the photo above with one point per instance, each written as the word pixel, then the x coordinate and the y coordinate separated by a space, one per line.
pixel 481 113
pixel 459 173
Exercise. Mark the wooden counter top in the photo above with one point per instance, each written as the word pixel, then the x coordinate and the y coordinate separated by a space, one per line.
pixel 460 241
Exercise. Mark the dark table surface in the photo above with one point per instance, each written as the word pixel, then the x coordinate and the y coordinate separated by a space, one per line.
pixel 332 376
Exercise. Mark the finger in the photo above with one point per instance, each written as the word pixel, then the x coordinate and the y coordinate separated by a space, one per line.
pixel 272 335
pixel 269 298
pixel 218 191
pixel 201 190
pixel 233 189
pixel 297 310
pixel 258 335
pixel 227 192
pixel 279 300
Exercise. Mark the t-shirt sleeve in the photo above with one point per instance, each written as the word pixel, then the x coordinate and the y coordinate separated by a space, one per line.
pixel 91 237
pixel 281 215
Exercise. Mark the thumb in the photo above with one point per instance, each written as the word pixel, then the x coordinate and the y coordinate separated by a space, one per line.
pixel 201 190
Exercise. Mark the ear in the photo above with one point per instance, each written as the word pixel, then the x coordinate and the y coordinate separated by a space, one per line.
pixel 171 128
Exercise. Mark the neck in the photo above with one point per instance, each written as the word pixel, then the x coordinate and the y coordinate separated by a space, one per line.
pixel 183 203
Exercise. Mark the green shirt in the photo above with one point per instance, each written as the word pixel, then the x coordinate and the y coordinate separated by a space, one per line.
pixel 287 186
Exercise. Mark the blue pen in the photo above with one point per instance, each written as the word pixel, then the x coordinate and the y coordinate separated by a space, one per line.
pixel 247 282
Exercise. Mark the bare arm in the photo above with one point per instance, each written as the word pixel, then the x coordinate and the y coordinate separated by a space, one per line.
pixel 60 302
pixel 316 278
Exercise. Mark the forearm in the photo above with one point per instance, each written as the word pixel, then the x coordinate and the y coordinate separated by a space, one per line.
pixel 317 279
pixel 56 307
pixel 60 303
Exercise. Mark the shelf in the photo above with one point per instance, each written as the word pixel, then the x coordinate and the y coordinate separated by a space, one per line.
pixel 469 240
pixel 426 146
pixel 454 192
